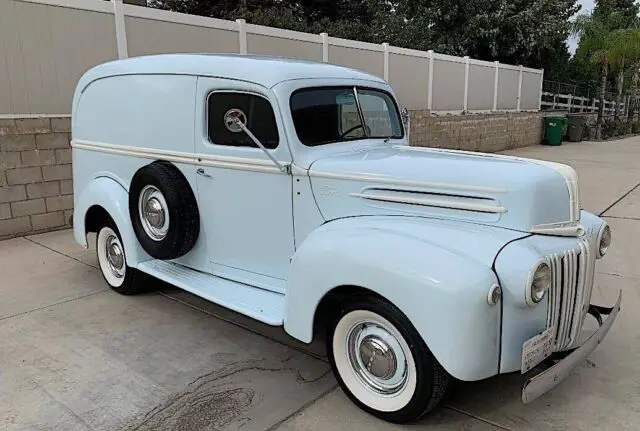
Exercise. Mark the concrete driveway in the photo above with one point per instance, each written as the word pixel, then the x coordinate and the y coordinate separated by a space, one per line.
pixel 76 356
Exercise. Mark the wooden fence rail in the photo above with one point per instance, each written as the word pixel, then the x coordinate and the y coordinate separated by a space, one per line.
pixel 577 104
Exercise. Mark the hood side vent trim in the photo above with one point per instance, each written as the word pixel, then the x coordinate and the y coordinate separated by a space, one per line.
pixel 428 193
pixel 428 199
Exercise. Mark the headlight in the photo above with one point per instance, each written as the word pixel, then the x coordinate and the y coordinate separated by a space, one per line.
pixel 604 240
pixel 539 283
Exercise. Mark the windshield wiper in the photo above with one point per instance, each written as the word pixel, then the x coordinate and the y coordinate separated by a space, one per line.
pixel 360 114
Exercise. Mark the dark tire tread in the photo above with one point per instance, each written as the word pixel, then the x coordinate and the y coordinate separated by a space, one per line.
pixel 184 216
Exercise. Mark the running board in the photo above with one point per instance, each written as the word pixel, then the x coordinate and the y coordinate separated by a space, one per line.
pixel 259 304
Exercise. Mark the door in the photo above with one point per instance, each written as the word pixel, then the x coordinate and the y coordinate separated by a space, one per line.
pixel 245 200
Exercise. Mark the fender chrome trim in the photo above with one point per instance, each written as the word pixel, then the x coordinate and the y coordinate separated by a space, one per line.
pixel 541 383
pixel 559 229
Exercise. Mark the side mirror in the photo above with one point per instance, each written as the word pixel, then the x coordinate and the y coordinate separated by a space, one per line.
pixel 406 119
pixel 234 119
pixel 404 112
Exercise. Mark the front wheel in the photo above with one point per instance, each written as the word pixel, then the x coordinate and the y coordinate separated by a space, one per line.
pixel 382 363
pixel 113 264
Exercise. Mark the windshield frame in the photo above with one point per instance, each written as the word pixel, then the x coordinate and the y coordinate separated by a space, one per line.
pixel 356 90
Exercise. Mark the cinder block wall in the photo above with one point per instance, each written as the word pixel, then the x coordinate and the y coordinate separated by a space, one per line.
pixel 36 190
pixel 487 133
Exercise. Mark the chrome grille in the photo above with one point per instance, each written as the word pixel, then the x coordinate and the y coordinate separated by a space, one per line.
pixel 570 293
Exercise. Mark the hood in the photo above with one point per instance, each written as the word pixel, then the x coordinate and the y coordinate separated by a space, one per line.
pixel 514 193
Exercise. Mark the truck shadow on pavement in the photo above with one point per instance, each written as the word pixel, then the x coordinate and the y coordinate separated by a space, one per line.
pixel 469 398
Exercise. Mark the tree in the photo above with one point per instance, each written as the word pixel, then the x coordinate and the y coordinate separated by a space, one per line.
pixel 511 31
pixel 351 19
pixel 528 32
pixel 617 13
pixel 598 44
pixel 627 47
pixel 216 9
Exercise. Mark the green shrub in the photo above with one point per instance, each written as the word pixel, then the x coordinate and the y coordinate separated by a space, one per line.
pixel 621 127
pixel 635 126
pixel 612 127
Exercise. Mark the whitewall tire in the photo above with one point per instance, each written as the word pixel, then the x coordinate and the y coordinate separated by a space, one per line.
pixel 113 263
pixel 382 363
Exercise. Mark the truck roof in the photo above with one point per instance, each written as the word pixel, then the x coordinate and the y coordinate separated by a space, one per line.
pixel 259 69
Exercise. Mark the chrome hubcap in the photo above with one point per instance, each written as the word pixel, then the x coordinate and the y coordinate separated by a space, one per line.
pixel 152 209
pixel 115 257
pixel 154 213
pixel 377 358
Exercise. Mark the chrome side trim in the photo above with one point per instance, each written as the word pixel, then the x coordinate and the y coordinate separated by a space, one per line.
pixel 173 156
pixel 559 229
pixel 240 163
pixel 409 183
pixel 432 203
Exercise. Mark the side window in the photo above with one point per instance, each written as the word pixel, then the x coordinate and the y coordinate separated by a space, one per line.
pixel 261 120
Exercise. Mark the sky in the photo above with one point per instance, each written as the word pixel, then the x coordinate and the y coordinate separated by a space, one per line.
pixel 587 5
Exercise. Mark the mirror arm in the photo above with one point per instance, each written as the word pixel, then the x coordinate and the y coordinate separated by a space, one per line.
pixel 283 168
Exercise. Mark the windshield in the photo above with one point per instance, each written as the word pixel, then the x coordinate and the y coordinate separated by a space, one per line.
pixel 324 115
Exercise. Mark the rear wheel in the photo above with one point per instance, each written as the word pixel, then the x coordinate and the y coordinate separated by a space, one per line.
pixel 382 363
pixel 113 263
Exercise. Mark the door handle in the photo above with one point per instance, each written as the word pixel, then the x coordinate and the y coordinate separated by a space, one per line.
pixel 201 171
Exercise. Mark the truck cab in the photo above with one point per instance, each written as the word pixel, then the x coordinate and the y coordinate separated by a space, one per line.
pixel 288 191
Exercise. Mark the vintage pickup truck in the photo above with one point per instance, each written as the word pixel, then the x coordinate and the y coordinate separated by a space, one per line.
pixel 286 190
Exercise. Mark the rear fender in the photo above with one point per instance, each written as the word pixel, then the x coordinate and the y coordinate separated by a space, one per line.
pixel 442 292
pixel 114 199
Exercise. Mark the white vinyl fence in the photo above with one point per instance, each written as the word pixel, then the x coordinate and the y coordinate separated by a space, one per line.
pixel 46 45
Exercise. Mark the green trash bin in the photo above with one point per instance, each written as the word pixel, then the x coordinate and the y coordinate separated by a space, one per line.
pixel 554 129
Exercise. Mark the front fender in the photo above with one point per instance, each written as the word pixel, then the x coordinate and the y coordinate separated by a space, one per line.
pixel 111 196
pixel 437 272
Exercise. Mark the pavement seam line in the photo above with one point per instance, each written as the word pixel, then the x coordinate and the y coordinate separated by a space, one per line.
pixel 308 404
pixel 75 298
pixel 619 199
pixel 275 426
pixel 186 304
pixel 322 395
pixel 622 218
pixel 65 408
pixel 59 252
pixel 487 421
pixel 305 406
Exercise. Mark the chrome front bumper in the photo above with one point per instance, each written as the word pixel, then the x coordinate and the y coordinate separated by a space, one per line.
pixel 537 384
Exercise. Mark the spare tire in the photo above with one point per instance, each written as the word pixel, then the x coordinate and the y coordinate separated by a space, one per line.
pixel 163 210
